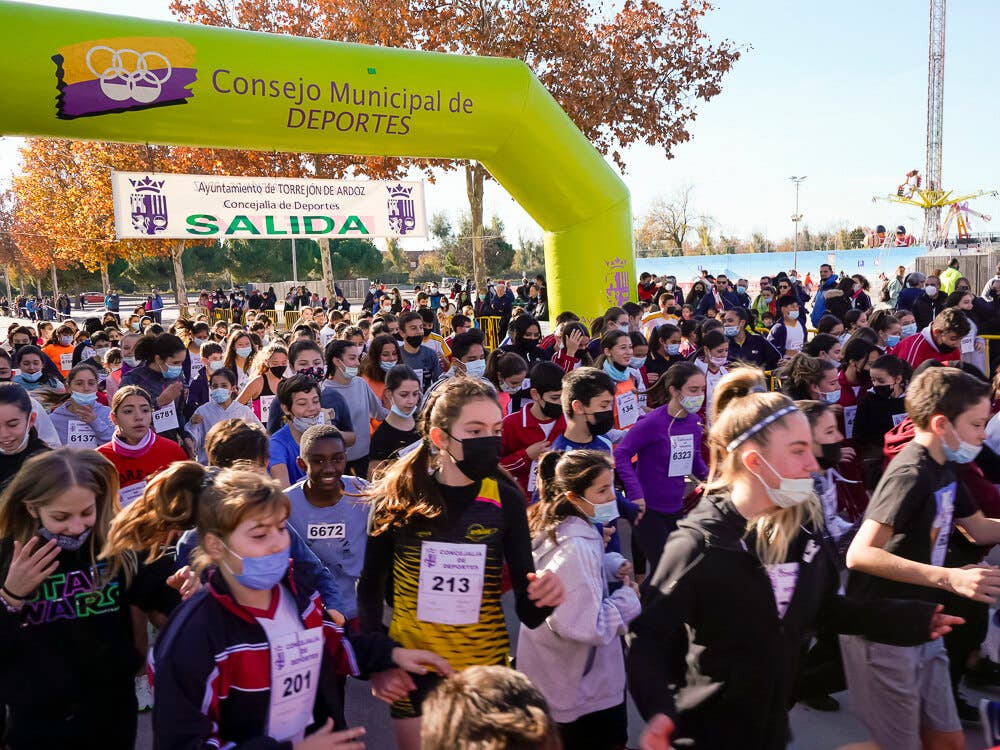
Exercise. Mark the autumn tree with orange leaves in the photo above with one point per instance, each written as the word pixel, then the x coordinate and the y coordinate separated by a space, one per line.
pixel 632 76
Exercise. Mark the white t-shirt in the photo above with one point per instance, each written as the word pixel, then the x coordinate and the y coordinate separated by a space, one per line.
pixel 793 337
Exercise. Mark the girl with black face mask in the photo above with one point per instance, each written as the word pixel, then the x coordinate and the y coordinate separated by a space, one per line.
pixel 525 338
pixel 445 519
pixel 881 408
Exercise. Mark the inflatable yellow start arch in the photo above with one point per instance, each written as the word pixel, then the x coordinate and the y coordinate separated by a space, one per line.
pixel 91 76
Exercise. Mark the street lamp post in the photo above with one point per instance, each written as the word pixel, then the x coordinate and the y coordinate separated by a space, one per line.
pixel 796 217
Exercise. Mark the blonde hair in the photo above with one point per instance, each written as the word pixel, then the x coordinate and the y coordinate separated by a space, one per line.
pixel 740 403
pixel 265 353
pixel 186 494
pixel 47 476
pixel 488 708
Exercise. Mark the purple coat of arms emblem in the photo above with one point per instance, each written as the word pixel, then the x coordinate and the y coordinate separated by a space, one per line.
pixel 402 211
pixel 148 206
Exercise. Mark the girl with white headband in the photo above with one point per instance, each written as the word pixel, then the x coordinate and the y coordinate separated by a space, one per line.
pixel 744 580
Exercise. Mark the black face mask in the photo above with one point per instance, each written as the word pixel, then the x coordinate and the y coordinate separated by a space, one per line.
pixel 278 371
pixel 831 455
pixel 480 456
pixel 527 345
pixel 946 348
pixel 603 421
pixel 414 341
pixel 550 410
pixel 882 391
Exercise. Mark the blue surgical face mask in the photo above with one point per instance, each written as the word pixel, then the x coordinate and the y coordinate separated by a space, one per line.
pixel 244 351
pixel 832 397
pixel 31 377
pixel 402 414
pixel 304 423
pixel 673 349
pixel 350 372
pixel 604 512
pixel 741 289
pixel 386 366
pixel 963 454
pixel 637 362
pixel 908 330
pixel 476 368
pixel 221 395
pixel 173 372
pixel 891 341
pixel 214 365
pixel 731 331
pixel 261 573
pixel 84 399
pixel 131 361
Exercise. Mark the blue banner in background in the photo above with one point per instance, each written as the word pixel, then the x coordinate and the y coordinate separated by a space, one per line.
pixel 869 262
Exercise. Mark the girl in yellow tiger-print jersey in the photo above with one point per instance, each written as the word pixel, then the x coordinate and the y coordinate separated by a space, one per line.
pixel 445 519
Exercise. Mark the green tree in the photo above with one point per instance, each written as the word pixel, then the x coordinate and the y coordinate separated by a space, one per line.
pixel 529 257
pixel 395 255
pixel 355 258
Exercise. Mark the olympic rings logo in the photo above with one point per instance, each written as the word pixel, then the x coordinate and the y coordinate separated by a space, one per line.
pixel 130 74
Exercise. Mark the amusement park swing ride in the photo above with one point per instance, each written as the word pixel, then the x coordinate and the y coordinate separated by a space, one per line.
pixel 932 198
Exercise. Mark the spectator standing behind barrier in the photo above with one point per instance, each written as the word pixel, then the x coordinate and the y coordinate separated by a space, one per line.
pixel 928 305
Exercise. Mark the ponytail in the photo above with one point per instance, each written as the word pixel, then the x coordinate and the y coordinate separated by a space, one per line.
pixel 558 474
pixel 168 507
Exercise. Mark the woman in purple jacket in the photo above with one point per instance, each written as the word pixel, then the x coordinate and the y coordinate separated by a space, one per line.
pixel 666 444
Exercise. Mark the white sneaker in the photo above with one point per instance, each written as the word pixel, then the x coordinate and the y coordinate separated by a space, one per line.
pixel 143 693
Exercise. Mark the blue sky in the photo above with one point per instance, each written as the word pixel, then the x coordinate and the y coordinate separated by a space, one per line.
pixel 832 90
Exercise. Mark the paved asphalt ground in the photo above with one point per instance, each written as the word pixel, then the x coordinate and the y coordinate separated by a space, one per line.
pixel 812 730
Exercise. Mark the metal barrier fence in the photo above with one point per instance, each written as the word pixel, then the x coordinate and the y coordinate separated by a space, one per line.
pixel 490 326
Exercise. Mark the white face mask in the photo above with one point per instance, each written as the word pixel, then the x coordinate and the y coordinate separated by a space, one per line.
pixel 791 492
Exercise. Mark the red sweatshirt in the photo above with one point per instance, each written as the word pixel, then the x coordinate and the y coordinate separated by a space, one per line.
pixel 521 430
pixel 920 347
pixel 133 469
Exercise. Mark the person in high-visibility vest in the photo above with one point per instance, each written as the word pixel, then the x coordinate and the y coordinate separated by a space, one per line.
pixel 616 362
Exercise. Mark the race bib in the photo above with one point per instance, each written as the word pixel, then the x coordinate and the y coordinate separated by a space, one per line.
pixel 897 418
pixel 265 408
pixel 66 361
pixel 532 474
pixel 627 406
pixel 450 589
pixel 128 495
pixel 941 528
pixel 783 579
pixel 968 344
pixel 420 377
pixel 197 365
pixel 681 455
pixel 295 663
pixel 166 418
pixel 850 412
pixel 641 396
pixel 315 531
pixel 79 435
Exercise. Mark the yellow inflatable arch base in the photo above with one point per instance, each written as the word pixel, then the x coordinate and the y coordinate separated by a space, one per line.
pixel 68 74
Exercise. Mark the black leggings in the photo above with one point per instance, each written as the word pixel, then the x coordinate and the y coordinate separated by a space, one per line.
pixel 652 532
